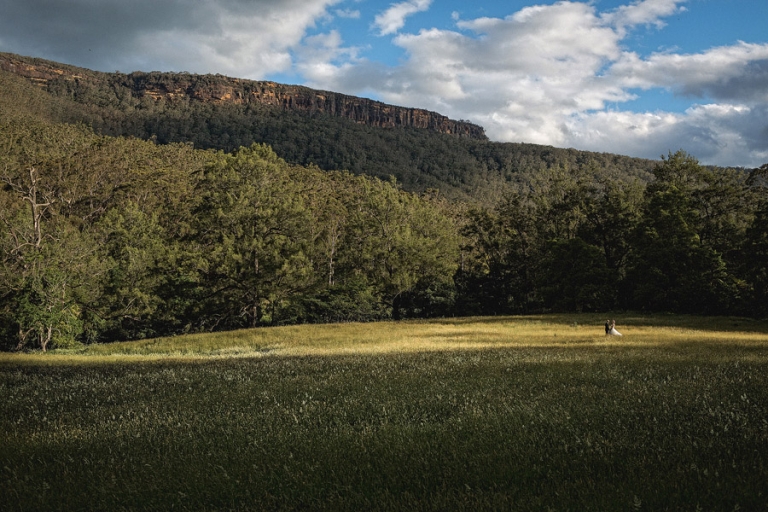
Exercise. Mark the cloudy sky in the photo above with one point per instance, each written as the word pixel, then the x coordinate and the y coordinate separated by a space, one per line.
pixel 636 77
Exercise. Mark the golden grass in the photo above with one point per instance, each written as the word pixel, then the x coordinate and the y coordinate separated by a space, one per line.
pixel 418 336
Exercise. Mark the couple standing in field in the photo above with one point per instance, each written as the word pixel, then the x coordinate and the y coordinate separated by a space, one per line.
pixel 610 328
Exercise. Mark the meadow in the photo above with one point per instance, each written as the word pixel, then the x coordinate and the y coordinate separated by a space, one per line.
pixel 502 413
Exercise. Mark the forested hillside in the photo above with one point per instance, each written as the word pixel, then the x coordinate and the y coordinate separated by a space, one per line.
pixel 216 112
pixel 111 237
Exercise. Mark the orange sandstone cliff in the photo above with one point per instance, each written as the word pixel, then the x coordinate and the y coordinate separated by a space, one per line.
pixel 221 89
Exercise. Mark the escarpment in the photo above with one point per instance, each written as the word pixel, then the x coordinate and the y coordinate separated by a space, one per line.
pixel 78 83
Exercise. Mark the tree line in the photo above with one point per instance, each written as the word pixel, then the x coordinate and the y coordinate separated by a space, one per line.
pixel 116 238
pixel 693 240
pixel 109 239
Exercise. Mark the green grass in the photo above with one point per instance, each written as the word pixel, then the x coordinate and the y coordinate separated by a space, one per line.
pixel 508 413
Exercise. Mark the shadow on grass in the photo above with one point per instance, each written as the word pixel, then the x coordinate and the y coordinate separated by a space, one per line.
pixel 528 428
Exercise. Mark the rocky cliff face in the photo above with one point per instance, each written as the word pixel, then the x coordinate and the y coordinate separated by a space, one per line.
pixel 220 89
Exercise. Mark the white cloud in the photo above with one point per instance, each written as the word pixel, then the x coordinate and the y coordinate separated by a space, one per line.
pixel 320 57
pixel 557 74
pixel 249 39
pixel 719 134
pixel 643 12
pixel 520 76
pixel 393 19
pixel 348 13
pixel 738 72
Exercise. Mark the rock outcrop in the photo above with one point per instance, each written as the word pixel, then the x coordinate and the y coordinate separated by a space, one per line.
pixel 221 89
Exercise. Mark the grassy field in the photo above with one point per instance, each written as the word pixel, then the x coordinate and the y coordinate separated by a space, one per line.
pixel 507 413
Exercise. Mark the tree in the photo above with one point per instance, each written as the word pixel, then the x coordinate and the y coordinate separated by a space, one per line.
pixel 673 269
pixel 397 241
pixel 138 255
pixel 49 264
pixel 45 286
pixel 755 247
pixel 510 248
pixel 252 235
pixel 481 280
pixel 575 277
pixel 611 213
pixel 756 260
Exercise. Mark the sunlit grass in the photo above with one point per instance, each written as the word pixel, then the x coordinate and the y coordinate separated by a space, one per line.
pixel 419 336
pixel 505 413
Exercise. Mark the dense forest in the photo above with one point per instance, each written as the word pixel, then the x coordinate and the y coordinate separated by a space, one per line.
pixel 118 237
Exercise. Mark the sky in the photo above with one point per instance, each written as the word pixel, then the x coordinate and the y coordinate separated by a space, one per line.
pixel 634 77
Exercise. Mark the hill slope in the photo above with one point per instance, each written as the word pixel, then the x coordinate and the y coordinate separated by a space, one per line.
pixel 421 149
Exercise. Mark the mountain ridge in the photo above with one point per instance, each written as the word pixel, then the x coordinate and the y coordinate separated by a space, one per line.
pixel 201 110
pixel 223 89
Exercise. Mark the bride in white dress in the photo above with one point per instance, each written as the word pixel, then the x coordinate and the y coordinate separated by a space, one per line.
pixel 610 328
